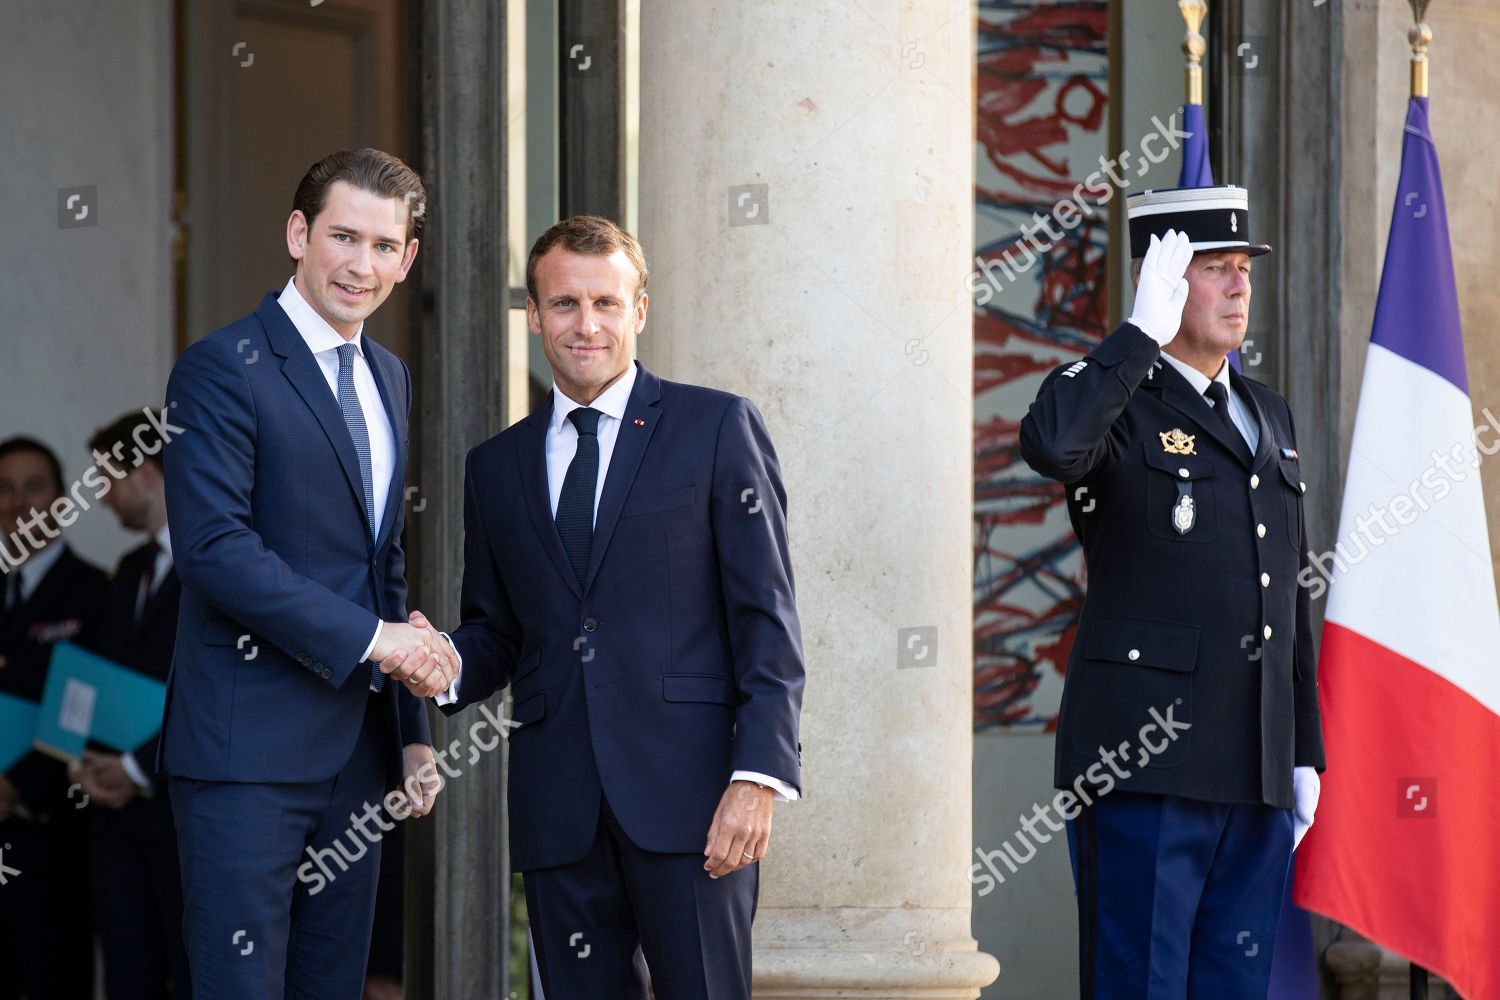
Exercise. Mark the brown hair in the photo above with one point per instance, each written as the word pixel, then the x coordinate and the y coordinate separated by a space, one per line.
pixel 126 434
pixel 369 170
pixel 588 234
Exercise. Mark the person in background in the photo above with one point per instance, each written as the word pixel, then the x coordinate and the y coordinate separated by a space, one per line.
pixel 132 842
pixel 47 595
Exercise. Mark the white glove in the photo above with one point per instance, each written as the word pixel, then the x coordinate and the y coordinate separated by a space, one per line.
pixel 1162 290
pixel 1306 787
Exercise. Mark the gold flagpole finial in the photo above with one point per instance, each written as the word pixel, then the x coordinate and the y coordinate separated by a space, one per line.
pixel 1420 37
pixel 1193 46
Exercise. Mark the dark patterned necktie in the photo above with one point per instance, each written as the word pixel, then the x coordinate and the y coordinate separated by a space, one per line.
pixel 575 507
pixel 1220 396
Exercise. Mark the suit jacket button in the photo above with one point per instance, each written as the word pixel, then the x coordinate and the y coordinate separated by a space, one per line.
pixel 1134 654
pixel 1260 531
pixel 1266 632
pixel 1254 482
pixel 590 624
pixel 326 673
pixel 1265 579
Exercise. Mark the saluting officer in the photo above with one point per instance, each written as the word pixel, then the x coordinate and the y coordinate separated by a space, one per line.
pixel 1189 727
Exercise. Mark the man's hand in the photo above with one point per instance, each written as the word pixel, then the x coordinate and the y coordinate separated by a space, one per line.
pixel 1306 788
pixel 8 798
pixel 1162 290
pixel 105 780
pixel 741 830
pixel 420 779
pixel 439 641
pixel 416 657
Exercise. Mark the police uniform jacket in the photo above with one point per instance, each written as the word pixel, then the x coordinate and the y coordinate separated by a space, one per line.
pixel 1193 670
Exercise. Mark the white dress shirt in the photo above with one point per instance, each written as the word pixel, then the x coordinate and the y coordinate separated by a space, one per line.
pixel 324 342
pixel 562 445
pixel 37 565
pixel 1239 413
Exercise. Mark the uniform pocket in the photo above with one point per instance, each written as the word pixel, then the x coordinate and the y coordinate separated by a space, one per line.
pixel 1132 694
pixel 1180 496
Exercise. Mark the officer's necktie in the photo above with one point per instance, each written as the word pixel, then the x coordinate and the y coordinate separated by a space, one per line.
pixel 354 417
pixel 12 609
pixel 575 507
pixel 1220 396
pixel 148 580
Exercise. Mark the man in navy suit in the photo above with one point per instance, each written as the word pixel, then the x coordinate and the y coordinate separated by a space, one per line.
pixel 132 843
pixel 284 487
pixel 626 571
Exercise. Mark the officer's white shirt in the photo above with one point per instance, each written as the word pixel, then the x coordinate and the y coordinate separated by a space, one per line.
pixel 561 446
pixel 1238 411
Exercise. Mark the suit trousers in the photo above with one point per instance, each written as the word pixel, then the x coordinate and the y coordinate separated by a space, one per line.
pixel 591 920
pixel 279 882
pixel 1177 899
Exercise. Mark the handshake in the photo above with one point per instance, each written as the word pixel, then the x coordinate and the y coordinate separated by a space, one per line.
pixel 416 654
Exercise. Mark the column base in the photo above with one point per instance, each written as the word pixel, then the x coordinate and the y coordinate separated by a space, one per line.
pixel 869 952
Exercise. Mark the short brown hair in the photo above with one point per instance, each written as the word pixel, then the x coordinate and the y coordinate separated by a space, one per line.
pixel 589 234
pixel 135 431
pixel 369 170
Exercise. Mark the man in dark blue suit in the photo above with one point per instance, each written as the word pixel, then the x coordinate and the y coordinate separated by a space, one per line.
pixel 284 487
pixel 626 571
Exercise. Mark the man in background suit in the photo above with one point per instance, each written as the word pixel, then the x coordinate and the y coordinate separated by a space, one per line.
pixel 627 572
pixel 132 843
pixel 286 502
pixel 47 946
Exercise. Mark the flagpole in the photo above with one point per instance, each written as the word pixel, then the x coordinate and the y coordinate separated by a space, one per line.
pixel 1194 46
pixel 1420 37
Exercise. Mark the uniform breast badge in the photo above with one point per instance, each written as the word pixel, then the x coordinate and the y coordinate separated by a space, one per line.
pixel 1184 513
pixel 1177 442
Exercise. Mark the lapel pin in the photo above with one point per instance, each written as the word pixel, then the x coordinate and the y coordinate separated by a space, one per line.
pixel 639 422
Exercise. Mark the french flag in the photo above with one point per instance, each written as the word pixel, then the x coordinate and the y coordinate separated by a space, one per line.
pixel 1404 849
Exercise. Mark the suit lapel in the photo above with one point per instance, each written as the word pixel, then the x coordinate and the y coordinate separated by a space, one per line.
pixel 1178 394
pixel 163 598
pixel 384 368
pixel 1265 448
pixel 641 416
pixel 301 369
pixel 531 456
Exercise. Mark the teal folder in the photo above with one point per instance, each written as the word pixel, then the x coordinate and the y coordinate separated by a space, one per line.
pixel 89 698
pixel 17 729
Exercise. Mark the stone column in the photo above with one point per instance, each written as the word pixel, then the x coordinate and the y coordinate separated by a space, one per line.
pixel 806 198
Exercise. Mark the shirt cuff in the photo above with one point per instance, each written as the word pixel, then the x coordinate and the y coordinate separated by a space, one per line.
pixel 784 792
pixel 133 768
pixel 450 696
pixel 373 640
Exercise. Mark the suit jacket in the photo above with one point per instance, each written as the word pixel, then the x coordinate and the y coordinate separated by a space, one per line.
pixel 66 606
pixel 677 661
pixel 282 584
pixel 1205 627
pixel 144 646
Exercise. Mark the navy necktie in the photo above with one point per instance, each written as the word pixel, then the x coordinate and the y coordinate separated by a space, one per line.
pixel 354 417
pixel 1220 396
pixel 575 507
